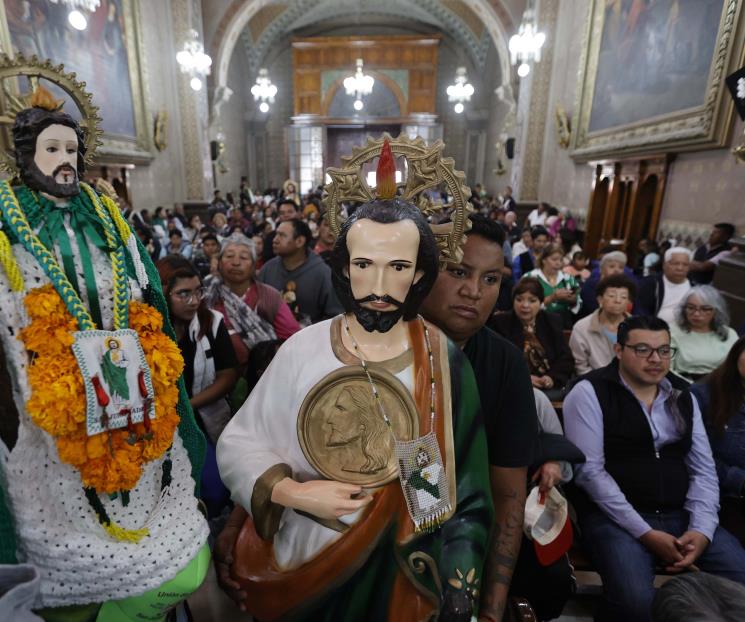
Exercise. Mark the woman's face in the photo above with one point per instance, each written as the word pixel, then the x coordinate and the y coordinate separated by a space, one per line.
pixel 526 306
pixel 236 264
pixel 552 264
pixel 195 223
pixel 698 314
pixel 184 298
pixel 614 301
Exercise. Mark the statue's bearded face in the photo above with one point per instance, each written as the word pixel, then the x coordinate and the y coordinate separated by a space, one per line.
pixel 382 269
pixel 54 167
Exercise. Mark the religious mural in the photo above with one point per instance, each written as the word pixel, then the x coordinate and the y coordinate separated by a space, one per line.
pixel 98 54
pixel 654 59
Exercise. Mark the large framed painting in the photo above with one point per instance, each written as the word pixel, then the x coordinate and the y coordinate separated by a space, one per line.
pixel 652 76
pixel 106 55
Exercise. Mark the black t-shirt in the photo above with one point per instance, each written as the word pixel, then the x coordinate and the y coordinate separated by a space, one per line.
pixel 507 400
pixel 221 349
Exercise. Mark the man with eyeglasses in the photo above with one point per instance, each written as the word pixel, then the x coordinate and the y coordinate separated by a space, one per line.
pixel 647 498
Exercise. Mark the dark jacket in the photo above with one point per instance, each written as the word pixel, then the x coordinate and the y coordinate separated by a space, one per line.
pixel 650 295
pixel 549 330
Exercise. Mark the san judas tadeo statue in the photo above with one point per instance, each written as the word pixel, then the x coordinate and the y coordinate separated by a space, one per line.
pixel 100 465
pixel 360 456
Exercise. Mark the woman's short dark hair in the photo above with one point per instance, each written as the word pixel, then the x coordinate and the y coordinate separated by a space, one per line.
pixel 616 281
pixel 528 285
pixel 550 249
pixel 387 212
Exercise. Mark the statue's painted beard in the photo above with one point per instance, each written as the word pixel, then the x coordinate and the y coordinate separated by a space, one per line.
pixel 35 179
pixel 372 320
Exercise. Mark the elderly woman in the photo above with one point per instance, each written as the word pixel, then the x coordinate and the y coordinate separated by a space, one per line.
pixel 701 333
pixel 539 335
pixel 560 290
pixel 253 311
pixel 613 262
pixel 594 336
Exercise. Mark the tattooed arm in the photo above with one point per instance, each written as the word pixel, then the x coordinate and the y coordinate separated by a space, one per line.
pixel 509 488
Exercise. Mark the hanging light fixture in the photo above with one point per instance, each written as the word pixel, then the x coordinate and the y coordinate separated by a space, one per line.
pixel 78 10
pixel 525 46
pixel 359 85
pixel 461 91
pixel 193 61
pixel 263 91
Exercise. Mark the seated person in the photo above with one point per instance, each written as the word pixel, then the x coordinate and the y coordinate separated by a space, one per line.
pixel 547 588
pixel 577 267
pixel 253 311
pixel 721 397
pixel 613 262
pixel 539 335
pixel 560 290
pixel 210 365
pixel 594 336
pixel 524 262
pixel 648 494
pixel 701 333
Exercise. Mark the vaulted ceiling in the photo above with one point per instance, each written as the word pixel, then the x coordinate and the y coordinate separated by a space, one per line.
pixel 282 20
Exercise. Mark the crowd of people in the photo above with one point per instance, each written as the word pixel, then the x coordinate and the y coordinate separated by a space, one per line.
pixel 640 361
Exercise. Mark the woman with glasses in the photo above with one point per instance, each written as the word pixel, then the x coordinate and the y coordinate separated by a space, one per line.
pixel 721 397
pixel 594 336
pixel 701 332
pixel 210 365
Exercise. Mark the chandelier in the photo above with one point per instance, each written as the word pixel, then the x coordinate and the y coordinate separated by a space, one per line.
pixel 525 46
pixel 193 61
pixel 78 8
pixel 461 91
pixel 359 85
pixel 264 91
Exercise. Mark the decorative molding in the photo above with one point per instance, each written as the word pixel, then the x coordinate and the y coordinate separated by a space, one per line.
pixel 688 234
pixel 703 127
pixel 532 156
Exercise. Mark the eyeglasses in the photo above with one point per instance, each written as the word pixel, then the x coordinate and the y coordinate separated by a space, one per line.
pixel 701 309
pixel 186 295
pixel 644 351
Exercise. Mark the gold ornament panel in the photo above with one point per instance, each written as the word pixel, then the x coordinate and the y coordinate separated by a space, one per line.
pixel 342 431
pixel 426 171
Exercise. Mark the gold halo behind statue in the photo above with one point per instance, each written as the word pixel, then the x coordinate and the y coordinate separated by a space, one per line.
pixel 426 170
pixel 34 69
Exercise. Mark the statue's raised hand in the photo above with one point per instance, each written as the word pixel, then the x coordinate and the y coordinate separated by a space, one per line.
pixel 321 498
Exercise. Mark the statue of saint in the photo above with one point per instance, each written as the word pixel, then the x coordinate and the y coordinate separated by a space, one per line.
pixel 98 485
pixel 345 453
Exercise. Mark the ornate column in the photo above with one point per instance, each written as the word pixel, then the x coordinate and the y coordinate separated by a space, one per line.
pixel 187 15
pixel 532 114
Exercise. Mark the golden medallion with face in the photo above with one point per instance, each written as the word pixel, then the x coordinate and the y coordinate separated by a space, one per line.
pixel 342 431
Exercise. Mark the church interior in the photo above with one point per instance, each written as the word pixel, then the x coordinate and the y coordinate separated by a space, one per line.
pixel 611 130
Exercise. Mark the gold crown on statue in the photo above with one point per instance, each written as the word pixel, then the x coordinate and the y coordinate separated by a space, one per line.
pixel 426 170
pixel 33 70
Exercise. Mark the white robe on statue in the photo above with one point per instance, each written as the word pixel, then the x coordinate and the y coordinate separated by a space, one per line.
pixel 263 433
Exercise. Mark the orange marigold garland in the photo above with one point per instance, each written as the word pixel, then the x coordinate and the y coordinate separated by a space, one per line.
pixel 106 461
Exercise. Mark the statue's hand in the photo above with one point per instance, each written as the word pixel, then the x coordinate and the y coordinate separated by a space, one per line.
pixel 321 498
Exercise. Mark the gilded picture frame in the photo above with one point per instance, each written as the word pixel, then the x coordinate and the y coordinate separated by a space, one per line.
pixel 124 142
pixel 687 111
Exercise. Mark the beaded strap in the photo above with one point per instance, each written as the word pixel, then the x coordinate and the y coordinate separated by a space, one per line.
pixel 19 225
pixel 376 395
